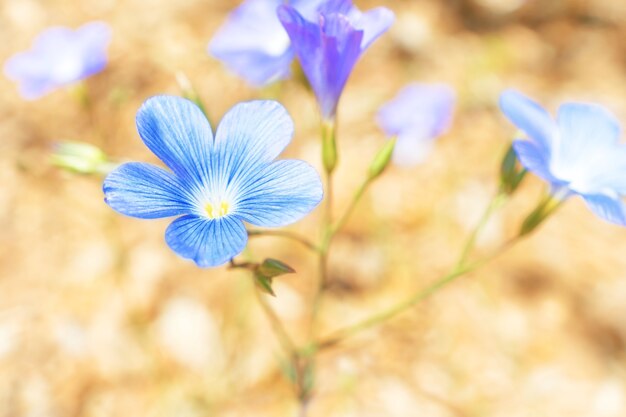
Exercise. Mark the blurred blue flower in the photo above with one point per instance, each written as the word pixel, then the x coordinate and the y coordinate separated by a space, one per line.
pixel 417 116
pixel 59 56
pixel 253 43
pixel 578 154
pixel 214 184
pixel 329 44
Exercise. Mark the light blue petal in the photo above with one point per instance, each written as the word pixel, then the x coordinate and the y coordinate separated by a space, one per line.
pixel 607 208
pixel 283 192
pixel 411 150
pixel 585 129
pixel 419 110
pixel 207 242
pixel 145 191
pixel 178 133
pixel 605 173
pixel 251 135
pixel 532 158
pixel 93 39
pixel 373 23
pixel 253 44
pixel 529 117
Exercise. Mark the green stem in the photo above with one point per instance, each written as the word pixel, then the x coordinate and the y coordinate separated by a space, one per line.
pixel 459 269
pixel 286 234
pixel 494 205
pixel 281 334
pixel 355 200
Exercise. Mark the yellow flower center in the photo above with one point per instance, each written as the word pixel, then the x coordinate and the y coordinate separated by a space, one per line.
pixel 213 211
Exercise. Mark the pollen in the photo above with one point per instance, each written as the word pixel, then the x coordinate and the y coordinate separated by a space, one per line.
pixel 214 211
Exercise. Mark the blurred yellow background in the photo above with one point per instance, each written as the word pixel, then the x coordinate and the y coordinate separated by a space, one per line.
pixel 99 318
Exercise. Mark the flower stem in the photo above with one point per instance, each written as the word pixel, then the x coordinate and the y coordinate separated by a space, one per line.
pixel 286 234
pixel 460 268
pixel 355 200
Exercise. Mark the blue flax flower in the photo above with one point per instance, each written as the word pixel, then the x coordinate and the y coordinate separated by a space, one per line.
pixel 215 184
pixel 417 116
pixel 578 154
pixel 59 56
pixel 253 43
pixel 329 45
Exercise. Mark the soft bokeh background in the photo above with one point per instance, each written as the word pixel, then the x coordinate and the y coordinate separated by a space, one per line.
pixel 99 318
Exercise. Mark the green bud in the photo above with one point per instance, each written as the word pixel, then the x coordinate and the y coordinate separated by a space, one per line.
pixel 189 92
pixel 382 159
pixel 543 210
pixel 81 157
pixel 511 173
pixel 329 146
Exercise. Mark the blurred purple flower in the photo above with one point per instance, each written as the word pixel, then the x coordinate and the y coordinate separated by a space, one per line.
pixel 579 153
pixel 329 44
pixel 417 116
pixel 253 44
pixel 59 56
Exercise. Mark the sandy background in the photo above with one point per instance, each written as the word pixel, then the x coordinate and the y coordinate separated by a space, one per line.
pixel 99 318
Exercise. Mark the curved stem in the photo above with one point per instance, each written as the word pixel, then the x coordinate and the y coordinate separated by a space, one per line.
pixel 281 334
pixel 286 234
pixel 459 269
pixel 355 200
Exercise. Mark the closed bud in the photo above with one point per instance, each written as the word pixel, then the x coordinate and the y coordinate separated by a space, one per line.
pixel 511 173
pixel 329 146
pixel 81 157
pixel 381 160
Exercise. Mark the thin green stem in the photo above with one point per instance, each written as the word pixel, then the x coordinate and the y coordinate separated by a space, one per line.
pixel 355 200
pixel 286 234
pixel 460 268
pixel 281 334
pixel 494 204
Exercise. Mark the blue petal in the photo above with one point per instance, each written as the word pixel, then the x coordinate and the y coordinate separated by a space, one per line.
pixel 607 208
pixel 419 110
pixel 327 52
pixel 253 43
pixel 251 135
pixel 534 160
pixel 283 193
pixel 27 70
pixel 93 39
pixel 585 129
pixel 529 117
pixel 606 171
pixel 373 23
pixel 145 191
pixel 178 133
pixel 207 242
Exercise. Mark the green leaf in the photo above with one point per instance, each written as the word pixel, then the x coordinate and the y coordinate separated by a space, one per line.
pixel 271 268
pixel 511 173
pixel 264 283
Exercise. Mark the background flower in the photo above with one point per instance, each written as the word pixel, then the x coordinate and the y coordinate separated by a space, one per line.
pixel 253 43
pixel 59 56
pixel 416 116
pixel 215 184
pixel 579 153
pixel 329 46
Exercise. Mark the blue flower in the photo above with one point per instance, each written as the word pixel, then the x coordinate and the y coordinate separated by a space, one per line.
pixel 59 56
pixel 215 184
pixel 578 154
pixel 416 116
pixel 253 43
pixel 329 46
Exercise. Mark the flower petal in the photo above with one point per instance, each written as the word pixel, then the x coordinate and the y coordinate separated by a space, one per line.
pixel 178 133
pixel 250 135
pixel 607 208
pixel 253 44
pixel 93 39
pixel 207 242
pixel 283 193
pixel 411 150
pixel 529 117
pixel 145 191
pixel 532 158
pixel 373 23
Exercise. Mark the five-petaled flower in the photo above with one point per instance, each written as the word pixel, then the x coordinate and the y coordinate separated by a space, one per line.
pixel 215 184
pixel 329 46
pixel 578 154
pixel 417 116
pixel 59 56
